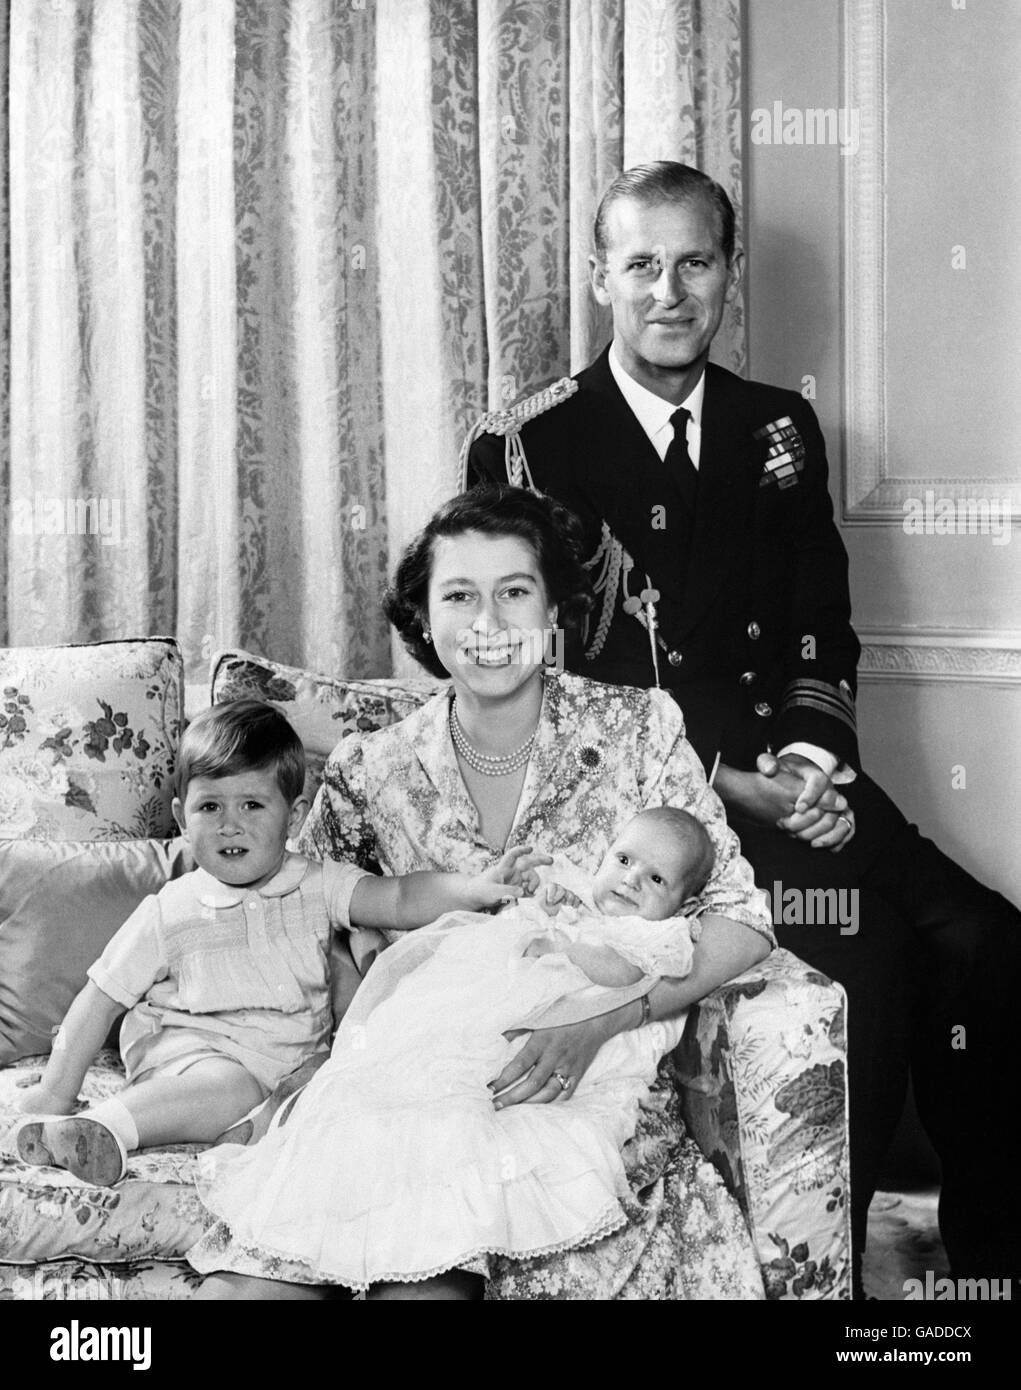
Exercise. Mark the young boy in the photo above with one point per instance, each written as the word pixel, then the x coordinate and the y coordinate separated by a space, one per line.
pixel 224 972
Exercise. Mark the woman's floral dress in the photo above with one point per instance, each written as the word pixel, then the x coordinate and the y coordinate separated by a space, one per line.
pixel 395 799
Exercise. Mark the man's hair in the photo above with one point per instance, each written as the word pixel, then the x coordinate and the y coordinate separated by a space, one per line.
pixel 494 509
pixel 241 736
pixel 666 181
pixel 691 833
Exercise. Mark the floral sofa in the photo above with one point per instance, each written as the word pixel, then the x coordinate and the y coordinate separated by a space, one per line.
pixel 87 741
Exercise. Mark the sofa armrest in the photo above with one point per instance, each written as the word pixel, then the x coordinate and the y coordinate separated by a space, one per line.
pixel 761 1071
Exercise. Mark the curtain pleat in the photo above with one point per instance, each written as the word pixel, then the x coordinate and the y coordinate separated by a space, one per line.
pixel 5 318
pixel 209 514
pixel 352 629
pixel 158 83
pixel 309 444
pixel 421 437
pixel 47 592
pixel 523 126
pixel 659 97
pixel 457 207
pixel 718 143
pixel 267 260
pixel 596 155
pixel 112 310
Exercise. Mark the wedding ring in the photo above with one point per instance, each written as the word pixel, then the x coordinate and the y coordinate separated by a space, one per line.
pixel 565 1081
pixel 848 822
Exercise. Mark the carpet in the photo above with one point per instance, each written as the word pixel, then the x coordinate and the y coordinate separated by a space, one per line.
pixel 903 1242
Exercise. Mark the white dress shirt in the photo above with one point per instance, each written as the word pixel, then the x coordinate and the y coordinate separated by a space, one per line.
pixel 653 412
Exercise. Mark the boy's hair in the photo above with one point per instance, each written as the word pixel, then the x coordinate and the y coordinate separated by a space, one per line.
pixel 241 736
pixel 690 832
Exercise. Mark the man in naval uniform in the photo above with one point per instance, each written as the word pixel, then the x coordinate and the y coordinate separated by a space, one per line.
pixel 722 577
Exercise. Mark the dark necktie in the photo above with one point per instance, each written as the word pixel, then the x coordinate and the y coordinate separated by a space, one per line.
pixel 684 474
pixel 678 460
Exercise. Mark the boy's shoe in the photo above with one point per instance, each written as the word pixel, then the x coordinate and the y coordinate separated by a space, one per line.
pixel 84 1146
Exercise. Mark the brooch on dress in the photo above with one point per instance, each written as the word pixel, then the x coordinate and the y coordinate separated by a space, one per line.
pixel 785 452
pixel 589 758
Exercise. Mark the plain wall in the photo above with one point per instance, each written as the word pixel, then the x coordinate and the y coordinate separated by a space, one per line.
pixel 940 692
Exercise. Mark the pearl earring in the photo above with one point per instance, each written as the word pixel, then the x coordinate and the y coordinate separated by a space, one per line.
pixel 426 635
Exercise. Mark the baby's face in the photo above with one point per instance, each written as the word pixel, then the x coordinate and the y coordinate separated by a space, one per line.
pixel 644 874
pixel 238 826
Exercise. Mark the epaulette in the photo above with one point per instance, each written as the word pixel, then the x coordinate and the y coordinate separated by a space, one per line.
pixel 611 565
pixel 507 424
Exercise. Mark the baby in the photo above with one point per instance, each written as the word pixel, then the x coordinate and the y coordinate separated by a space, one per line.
pixel 655 868
pixel 224 972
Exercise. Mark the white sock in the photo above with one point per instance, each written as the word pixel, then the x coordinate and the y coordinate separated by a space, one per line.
pixel 117 1117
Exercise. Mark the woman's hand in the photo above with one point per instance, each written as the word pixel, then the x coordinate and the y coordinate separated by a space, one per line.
pixel 554 1060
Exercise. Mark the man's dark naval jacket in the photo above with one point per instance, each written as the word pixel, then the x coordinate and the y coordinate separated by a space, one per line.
pixel 754 611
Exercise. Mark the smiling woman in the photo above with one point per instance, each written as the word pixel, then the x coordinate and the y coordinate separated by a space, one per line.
pixel 552 539
pixel 477 597
pixel 507 757
pixel 487 621
pixel 483 630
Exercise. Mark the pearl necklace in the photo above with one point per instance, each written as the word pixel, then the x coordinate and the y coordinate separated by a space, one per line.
pixel 484 763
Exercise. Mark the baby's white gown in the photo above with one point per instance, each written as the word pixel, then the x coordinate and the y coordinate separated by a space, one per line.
pixel 394 1166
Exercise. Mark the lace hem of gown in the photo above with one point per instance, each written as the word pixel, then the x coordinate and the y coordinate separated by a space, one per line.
pixel 255 1259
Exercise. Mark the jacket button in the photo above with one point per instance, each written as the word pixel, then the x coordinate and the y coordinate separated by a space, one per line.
pixel 763 710
pixel 748 678
pixel 674 658
pixel 754 631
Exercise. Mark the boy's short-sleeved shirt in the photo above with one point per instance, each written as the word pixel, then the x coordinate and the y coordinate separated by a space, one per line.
pixel 202 965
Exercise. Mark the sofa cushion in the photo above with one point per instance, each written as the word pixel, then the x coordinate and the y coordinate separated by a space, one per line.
pixel 322 709
pixel 762 1074
pixel 46 1214
pixel 62 1281
pixel 88 736
pixel 60 903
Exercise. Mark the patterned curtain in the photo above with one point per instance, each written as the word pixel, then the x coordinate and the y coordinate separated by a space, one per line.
pixel 5 318
pixel 262 263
